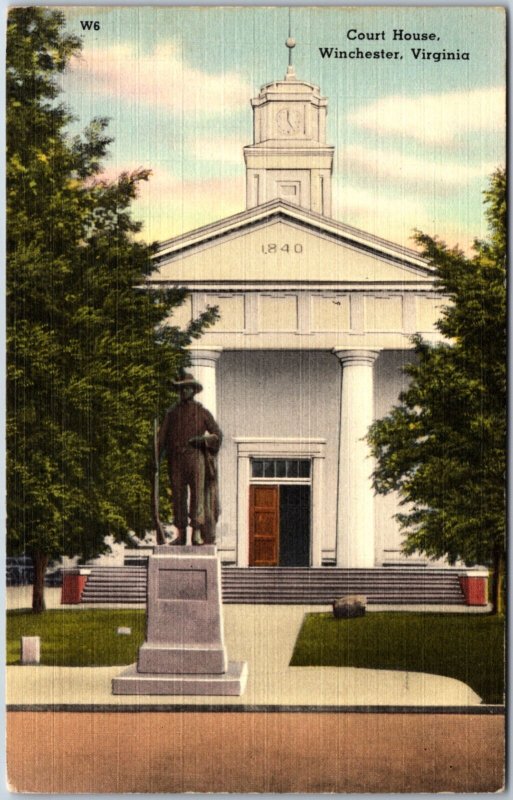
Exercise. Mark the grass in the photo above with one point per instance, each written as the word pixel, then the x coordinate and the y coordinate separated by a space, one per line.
pixel 78 638
pixel 468 647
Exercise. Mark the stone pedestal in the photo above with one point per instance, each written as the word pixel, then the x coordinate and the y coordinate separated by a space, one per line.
pixel 184 651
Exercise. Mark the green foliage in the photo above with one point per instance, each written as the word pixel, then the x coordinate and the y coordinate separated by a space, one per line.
pixel 443 447
pixel 467 647
pixel 78 638
pixel 90 358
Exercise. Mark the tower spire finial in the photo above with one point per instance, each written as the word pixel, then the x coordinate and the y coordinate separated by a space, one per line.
pixel 290 43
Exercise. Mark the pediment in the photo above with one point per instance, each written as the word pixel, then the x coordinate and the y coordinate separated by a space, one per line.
pixel 287 245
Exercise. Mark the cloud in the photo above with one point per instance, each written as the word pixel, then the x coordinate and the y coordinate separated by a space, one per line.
pixel 400 167
pixel 228 149
pixel 169 205
pixel 394 217
pixel 160 79
pixel 435 118
pixel 355 200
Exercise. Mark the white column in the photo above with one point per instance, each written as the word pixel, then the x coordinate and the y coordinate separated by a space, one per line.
pixel 203 367
pixel 243 478
pixel 318 509
pixel 355 512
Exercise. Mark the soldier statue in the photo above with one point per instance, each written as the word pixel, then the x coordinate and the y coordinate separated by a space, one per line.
pixel 191 439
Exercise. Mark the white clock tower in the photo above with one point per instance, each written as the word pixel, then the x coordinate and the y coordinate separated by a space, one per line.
pixel 289 157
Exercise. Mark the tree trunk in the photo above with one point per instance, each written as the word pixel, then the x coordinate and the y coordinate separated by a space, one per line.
pixel 496 588
pixel 38 587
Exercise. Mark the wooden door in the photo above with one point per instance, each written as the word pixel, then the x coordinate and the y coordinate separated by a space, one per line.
pixel 264 508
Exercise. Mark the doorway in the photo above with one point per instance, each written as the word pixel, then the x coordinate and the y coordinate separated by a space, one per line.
pixel 270 463
pixel 279 525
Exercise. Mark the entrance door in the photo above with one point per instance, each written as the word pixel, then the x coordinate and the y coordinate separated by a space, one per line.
pixel 294 526
pixel 263 526
pixel 279 525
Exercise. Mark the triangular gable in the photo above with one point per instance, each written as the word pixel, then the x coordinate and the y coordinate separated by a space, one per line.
pixel 280 242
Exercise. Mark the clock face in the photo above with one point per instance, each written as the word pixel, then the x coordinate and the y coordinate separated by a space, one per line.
pixel 288 121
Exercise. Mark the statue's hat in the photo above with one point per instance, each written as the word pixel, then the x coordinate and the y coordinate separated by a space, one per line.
pixel 188 380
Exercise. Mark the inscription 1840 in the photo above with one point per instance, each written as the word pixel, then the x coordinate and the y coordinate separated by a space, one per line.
pixel 273 247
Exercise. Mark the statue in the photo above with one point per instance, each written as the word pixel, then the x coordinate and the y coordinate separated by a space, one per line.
pixel 191 439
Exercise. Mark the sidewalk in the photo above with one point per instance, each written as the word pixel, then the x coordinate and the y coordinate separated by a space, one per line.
pixel 264 637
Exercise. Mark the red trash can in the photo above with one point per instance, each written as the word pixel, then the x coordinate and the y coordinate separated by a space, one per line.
pixel 73 584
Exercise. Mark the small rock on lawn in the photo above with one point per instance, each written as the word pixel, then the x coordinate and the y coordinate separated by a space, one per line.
pixel 352 605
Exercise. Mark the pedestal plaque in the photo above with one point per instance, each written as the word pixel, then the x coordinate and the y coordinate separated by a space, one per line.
pixel 184 651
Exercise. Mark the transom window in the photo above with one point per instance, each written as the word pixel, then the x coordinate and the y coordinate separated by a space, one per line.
pixel 280 467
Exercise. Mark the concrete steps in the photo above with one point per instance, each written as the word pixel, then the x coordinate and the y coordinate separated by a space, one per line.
pixel 380 585
pixel 291 585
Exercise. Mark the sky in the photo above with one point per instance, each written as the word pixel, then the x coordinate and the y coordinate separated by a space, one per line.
pixel 415 139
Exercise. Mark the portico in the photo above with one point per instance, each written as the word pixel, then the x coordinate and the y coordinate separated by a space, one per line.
pixel 314 328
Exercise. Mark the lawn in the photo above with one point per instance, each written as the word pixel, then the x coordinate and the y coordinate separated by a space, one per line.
pixel 78 638
pixel 468 647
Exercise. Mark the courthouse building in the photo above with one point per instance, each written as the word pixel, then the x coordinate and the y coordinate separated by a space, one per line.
pixel 315 325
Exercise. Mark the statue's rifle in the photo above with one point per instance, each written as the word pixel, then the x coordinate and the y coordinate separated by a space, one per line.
pixel 155 489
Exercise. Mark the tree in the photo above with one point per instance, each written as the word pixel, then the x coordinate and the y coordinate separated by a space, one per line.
pixel 91 354
pixel 442 448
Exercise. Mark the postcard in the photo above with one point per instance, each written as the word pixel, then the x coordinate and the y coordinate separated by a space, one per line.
pixel 256 403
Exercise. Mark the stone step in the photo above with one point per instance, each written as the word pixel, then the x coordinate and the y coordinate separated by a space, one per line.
pixel 412 571
pixel 278 582
pixel 277 573
pixel 346 588
pixel 340 580
pixel 289 589
pixel 298 596
pixel 251 600
pixel 121 579
pixel 349 588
